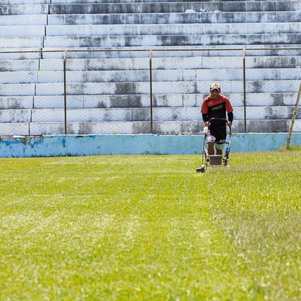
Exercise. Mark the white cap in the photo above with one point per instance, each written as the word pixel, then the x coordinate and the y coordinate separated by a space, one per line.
pixel 215 86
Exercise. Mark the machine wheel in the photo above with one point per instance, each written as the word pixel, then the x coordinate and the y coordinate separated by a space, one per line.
pixel 201 169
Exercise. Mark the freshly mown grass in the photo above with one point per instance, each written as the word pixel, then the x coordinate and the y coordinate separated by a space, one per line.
pixel 150 228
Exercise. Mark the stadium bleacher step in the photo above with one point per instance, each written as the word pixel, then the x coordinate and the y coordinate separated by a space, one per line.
pixel 120 76
pixel 23 9
pixel 176 18
pixel 171 7
pixel 107 41
pixel 21 42
pixel 22 31
pixel 163 29
pixel 16 102
pixel 16 20
pixel 162 127
pixel 14 129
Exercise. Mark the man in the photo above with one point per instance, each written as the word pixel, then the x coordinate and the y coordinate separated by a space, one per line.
pixel 216 105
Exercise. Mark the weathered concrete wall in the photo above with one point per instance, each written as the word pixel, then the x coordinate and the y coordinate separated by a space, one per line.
pixel 109 91
pixel 202 6
pixel 162 29
pixel 175 18
pixel 132 144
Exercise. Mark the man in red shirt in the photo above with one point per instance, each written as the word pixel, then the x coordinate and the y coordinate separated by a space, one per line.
pixel 217 106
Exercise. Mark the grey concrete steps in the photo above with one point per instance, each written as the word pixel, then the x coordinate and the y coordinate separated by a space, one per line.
pixel 143 75
pixel 158 75
pixel 140 100
pixel 234 50
pixel 17 89
pixel 19 77
pixel 14 129
pixel 196 63
pixel 23 9
pixel 170 7
pixel 22 31
pixel 21 42
pixel 136 114
pixel 6 54
pixel 137 1
pixel 15 115
pixel 160 100
pixel 91 115
pixel 160 29
pixel 160 114
pixel 263 126
pixel 169 63
pixel 176 18
pixel 16 102
pixel 11 53
pixel 105 101
pixel 19 65
pixel 163 127
pixel 171 40
pixel 13 20
pixel 143 52
pixel 127 1
pixel 194 127
pixel 28 2
pixel 123 88
pixel 136 127
pixel 64 2
pixel 105 54
pixel 108 92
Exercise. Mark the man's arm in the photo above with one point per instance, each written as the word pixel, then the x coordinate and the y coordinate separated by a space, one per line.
pixel 205 118
pixel 230 116
pixel 229 110
pixel 204 111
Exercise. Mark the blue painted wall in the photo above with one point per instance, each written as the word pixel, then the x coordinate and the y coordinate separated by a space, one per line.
pixel 133 144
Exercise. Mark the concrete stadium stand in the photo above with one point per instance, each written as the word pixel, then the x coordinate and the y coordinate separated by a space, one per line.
pixel 109 90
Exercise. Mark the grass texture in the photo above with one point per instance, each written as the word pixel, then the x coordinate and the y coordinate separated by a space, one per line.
pixel 150 228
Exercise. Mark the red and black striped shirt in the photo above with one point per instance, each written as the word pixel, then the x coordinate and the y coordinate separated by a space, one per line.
pixel 216 108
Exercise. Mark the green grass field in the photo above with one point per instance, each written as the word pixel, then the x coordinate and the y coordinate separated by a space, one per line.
pixel 150 228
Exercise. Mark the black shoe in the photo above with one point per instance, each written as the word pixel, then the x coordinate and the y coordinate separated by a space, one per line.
pixel 201 169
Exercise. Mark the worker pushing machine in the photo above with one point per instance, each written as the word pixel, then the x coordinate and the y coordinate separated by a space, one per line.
pixel 217 114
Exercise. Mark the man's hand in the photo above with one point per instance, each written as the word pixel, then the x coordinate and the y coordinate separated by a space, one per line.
pixel 205 130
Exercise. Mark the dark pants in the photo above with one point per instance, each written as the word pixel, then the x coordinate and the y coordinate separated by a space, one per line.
pixel 219 132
